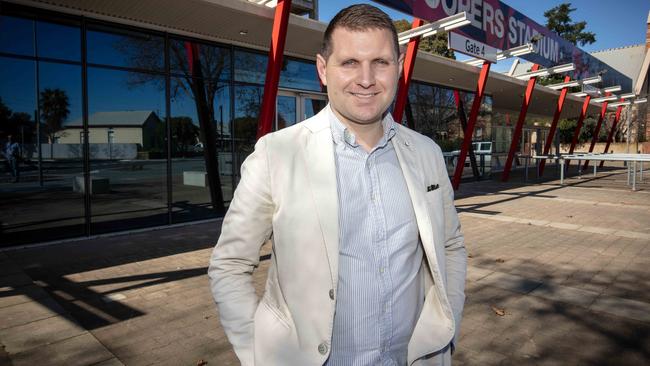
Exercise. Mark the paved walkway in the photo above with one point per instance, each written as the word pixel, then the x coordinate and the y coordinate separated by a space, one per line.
pixel 558 275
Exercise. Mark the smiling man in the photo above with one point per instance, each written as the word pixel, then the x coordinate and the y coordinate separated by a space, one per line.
pixel 368 262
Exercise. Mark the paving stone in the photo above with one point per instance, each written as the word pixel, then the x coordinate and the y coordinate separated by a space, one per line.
pixel 476 273
pixel 14 280
pixel 633 234
pixel 510 282
pixel 28 312
pixel 111 362
pixel 9 297
pixel 572 295
pixel 547 280
pixel 564 226
pixel 80 350
pixel 38 333
pixel 598 230
pixel 626 308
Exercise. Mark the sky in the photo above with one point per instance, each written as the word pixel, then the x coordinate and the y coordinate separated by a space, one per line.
pixel 615 23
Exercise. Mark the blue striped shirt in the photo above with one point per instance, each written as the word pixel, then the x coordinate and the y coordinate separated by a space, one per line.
pixel 380 294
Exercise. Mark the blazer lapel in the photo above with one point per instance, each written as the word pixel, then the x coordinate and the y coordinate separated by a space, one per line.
pixel 321 170
pixel 407 157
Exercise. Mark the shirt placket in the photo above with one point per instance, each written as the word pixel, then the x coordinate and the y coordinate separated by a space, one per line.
pixel 378 220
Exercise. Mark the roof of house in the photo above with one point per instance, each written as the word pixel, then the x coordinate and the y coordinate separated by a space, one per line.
pixel 627 60
pixel 116 118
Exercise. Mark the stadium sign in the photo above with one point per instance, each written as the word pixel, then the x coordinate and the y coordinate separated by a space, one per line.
pixel 502 27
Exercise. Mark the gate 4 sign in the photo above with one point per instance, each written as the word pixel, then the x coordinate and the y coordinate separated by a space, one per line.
pixel 471 47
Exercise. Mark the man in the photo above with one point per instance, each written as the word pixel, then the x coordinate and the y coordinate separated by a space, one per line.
pixel 368 262
pixel 12 154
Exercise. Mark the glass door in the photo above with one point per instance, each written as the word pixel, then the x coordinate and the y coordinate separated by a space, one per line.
pixel 312 104
pixel 293 107
pixel 286 111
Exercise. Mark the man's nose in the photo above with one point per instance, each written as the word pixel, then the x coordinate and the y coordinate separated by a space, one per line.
pixel 366 76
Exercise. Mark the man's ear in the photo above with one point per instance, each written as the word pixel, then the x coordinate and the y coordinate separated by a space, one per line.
pixel 400 62
pixel 321 65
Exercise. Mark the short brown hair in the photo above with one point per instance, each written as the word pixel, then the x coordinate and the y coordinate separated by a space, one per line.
pixel 358 17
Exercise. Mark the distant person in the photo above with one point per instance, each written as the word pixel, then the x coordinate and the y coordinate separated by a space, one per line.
pixel 368 261
pixel 12 154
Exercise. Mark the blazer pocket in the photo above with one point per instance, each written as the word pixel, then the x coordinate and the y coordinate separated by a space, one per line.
pixel 273 310
pixel 434 196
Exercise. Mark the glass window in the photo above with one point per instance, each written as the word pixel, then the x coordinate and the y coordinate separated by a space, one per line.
pixel 250 67
pixel 129 173
pixel 58 41
pixel 16 35
pixel 66 78
pixel 17 86
pixel 191 198
pixel 286 111
pixel 444 97
pixel 299 75
pixel 215 61
pixel 39 198
pixel 127 49
pixel 248 102
pixel 312 105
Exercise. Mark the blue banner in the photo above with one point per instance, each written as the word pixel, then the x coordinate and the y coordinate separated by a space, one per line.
pixel 498 25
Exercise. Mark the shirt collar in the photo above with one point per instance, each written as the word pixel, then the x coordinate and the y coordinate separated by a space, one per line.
pixel 340 133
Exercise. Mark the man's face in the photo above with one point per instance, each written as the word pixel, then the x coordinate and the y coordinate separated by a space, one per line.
pixel 361 74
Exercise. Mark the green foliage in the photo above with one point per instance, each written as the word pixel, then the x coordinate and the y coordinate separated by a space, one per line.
pixel 16 123
pixel 565 128
pixel 54 106
pixel 450 145
pixel 587 131
pixel 436 44
pixel 5 112
pixel 184 134
pixel 558 19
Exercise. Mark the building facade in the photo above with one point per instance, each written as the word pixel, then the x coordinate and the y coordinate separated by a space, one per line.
pixel 158 102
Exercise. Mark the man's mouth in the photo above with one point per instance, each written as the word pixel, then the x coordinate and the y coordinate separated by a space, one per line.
pixel 365 94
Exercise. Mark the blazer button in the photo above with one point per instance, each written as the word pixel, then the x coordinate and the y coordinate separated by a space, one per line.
pixel 332 294
pixel 322 348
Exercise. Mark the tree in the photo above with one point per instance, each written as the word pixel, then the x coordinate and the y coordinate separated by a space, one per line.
pixel 53 104
pixel 558 20
pixel 184 134
pixel 436 44
pixel 565 130
pixel 5 127
pixel 5 113
pixel 196 69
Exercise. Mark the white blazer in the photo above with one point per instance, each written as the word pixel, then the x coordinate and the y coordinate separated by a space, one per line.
pixel 288 193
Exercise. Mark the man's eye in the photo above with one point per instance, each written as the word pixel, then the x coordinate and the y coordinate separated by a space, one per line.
pixel 349 63
pixel 382 62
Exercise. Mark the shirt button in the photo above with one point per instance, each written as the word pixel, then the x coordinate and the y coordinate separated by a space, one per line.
pixel 322 348
pixel 381 270
pixel 332 294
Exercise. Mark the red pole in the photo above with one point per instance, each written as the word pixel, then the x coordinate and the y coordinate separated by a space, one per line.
pixel 405 78
pixel 520 124
pixel 610 137
pixel 460 109
pixel 278 37
pixel 551 131
pixel 473 115
pixel 603 110
pixel 576 133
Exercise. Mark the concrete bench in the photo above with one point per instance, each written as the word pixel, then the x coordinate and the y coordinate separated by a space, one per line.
pixel 97 185
pixel 195 178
